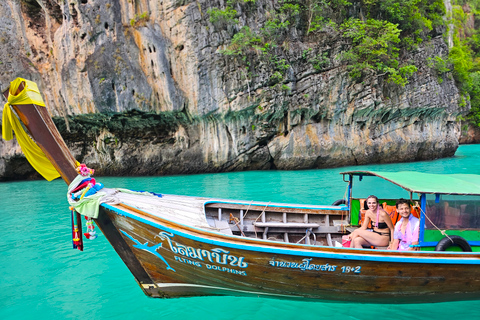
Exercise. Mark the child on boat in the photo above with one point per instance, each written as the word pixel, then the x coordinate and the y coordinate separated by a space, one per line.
pixel 382 227
pixel 406 230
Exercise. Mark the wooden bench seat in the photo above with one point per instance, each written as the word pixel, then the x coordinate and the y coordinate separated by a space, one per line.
pixel 286 225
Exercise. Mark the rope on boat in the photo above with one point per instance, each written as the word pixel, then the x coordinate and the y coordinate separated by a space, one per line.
pixel 302 238
pixel 309 230
pixel 263 212
pixel 443 232
pixel 247 209
pixel 235 220
pixel 265 207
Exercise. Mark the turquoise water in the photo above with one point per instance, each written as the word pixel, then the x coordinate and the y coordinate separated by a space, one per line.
pixel 41 277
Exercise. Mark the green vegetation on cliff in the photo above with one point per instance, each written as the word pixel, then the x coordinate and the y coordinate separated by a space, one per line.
pixel 375 49
pixel 129 124
pixel 464 56
pixel 377 34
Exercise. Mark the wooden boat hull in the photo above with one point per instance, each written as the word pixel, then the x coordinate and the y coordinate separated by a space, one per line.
pixel 170 259
pixel 182 261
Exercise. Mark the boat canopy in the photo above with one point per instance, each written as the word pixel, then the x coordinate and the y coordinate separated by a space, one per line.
pixel 418 182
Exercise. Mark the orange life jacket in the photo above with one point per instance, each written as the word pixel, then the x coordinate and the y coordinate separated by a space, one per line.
pixel 391 210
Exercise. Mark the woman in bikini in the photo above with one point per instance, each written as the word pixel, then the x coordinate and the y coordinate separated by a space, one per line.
pixel 382 225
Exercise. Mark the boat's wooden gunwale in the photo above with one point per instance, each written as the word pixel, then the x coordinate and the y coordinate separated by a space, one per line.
pixel 288 208
pixel 260 243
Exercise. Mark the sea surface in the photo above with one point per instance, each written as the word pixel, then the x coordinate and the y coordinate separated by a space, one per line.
pixel 42 277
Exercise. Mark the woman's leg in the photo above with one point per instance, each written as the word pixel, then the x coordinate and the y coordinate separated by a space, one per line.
pixel 370 239
pixel 358 243
pixel 353 235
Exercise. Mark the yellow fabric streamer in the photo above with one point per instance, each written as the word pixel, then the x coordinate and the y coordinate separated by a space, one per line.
pixel 29 95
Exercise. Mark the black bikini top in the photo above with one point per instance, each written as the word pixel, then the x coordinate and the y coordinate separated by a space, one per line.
pixel 382 225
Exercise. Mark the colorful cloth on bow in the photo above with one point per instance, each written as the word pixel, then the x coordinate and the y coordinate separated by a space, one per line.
pixel 84 184
pixel 96 187
pixel 88 206
pixel 410 235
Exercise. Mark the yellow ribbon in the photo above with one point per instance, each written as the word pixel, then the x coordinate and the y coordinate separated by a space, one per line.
pixel 29 95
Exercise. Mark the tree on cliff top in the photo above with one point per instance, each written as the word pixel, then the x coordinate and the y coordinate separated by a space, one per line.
pixel 374 48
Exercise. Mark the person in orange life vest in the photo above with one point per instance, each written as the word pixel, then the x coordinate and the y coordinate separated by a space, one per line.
pixel 382 227
pixel 406 230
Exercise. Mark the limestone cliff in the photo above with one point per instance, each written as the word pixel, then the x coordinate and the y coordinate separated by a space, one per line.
pixel 141 87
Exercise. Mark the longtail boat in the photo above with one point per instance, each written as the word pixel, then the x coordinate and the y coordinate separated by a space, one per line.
pixel 181 246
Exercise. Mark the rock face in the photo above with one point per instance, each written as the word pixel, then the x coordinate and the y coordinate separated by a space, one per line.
pixel 161 98
pixel 470 134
